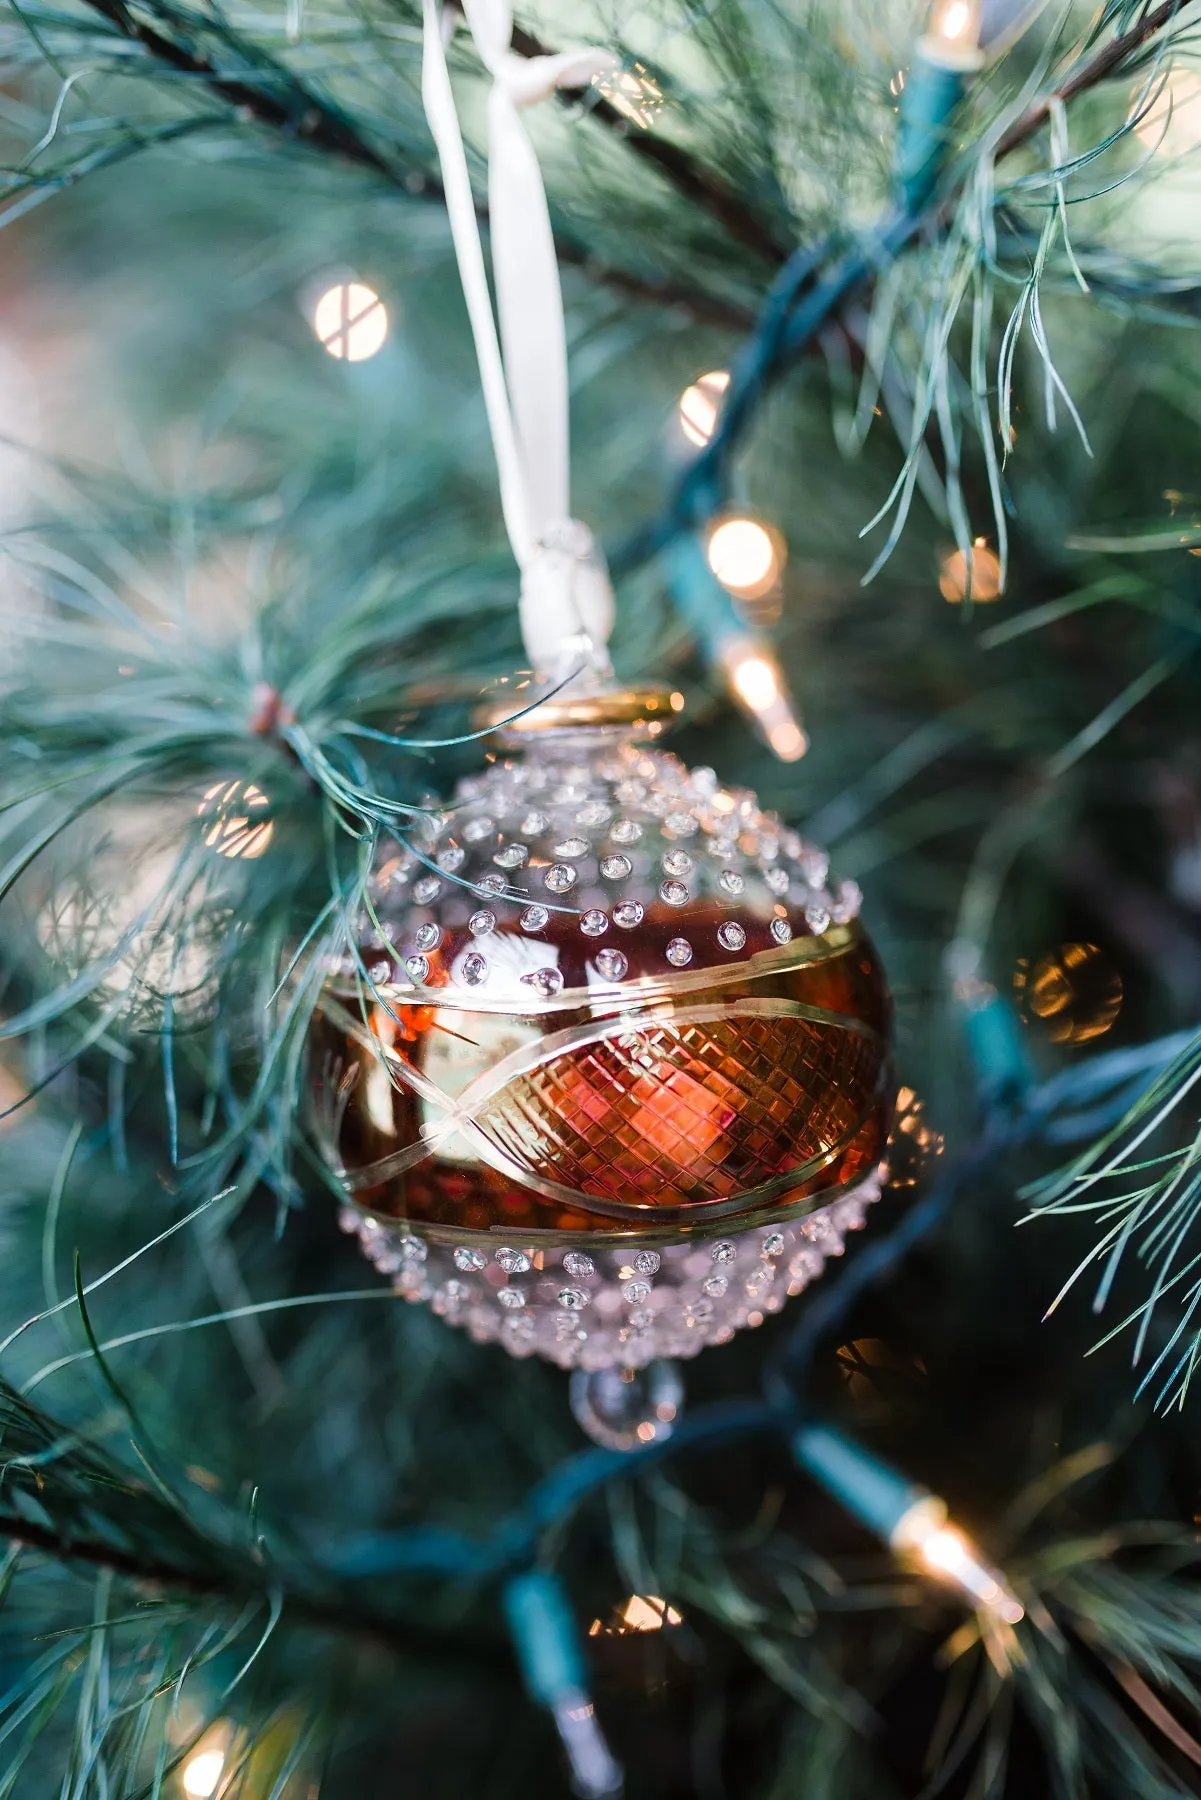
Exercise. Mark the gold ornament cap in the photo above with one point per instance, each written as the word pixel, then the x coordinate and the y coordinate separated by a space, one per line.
pixel 641 710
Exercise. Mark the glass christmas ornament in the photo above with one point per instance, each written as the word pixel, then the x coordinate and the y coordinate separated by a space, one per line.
pixel 608 1078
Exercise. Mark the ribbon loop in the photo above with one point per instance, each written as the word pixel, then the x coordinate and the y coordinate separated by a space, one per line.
pixel 566 600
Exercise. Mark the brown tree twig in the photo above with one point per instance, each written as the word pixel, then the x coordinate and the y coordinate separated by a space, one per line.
pixel 1106 62
pixel 689 177
pixel 308 120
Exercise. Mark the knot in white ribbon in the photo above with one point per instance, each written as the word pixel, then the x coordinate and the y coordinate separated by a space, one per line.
pixel 567 602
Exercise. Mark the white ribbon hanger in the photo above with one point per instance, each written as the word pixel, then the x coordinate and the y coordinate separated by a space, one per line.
pixel 566 598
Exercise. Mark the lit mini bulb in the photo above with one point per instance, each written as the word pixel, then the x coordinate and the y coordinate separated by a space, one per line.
pixel 952 36
pixel 746 556
pixel 350 321
pixel 758 683
pixel 700 405
pixel 924 1539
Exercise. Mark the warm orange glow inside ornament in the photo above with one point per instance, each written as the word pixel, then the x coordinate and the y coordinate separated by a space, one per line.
pixel 620 1083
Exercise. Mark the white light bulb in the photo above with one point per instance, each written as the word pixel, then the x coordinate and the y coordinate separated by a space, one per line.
pixel 351 321
pixel 788 741
pixel 759 686
pixel 923 1538
pixel 954 22
pixel 952 36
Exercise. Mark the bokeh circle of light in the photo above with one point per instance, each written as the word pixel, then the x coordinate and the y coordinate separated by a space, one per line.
pixel 350 321
pixel 745 555
pixel 700 405
pixel 202 1774
pixel 1172 124
pixel 985 574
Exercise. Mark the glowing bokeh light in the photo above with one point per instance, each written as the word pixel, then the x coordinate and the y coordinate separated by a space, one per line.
pixel 351 321
pixel 756 682
pixel 924 1538
pixel 1074 992
pixel 202 1774
pixel 641 1612
pixel 233 826
pixel 1171 125
pixel 700 405
pixel 759 685
pixel 745 555
pixel 985 574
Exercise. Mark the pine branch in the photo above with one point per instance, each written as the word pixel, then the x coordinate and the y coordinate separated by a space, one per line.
pixel 227 1589
pixel 305 118
pixel 99 1516
pixel 814 291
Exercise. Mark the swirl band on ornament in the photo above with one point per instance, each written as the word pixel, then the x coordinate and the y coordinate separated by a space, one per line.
pixel 635 991
pixel 766 1201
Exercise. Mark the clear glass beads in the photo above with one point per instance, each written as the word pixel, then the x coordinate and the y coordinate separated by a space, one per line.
pixel 596 1311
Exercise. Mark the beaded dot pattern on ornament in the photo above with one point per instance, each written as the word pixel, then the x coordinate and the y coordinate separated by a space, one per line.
pixel 592 1310
pixel 618 840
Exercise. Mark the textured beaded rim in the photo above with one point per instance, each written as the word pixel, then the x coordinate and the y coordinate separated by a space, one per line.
pixel 613 1304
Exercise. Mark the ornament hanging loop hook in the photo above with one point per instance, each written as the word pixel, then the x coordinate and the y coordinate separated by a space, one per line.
pixel 566 597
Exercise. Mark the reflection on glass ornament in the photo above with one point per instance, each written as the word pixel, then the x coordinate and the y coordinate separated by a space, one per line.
pixel 607 1153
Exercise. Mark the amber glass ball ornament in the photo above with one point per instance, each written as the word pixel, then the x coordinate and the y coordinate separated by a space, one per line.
pixel 617 1082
